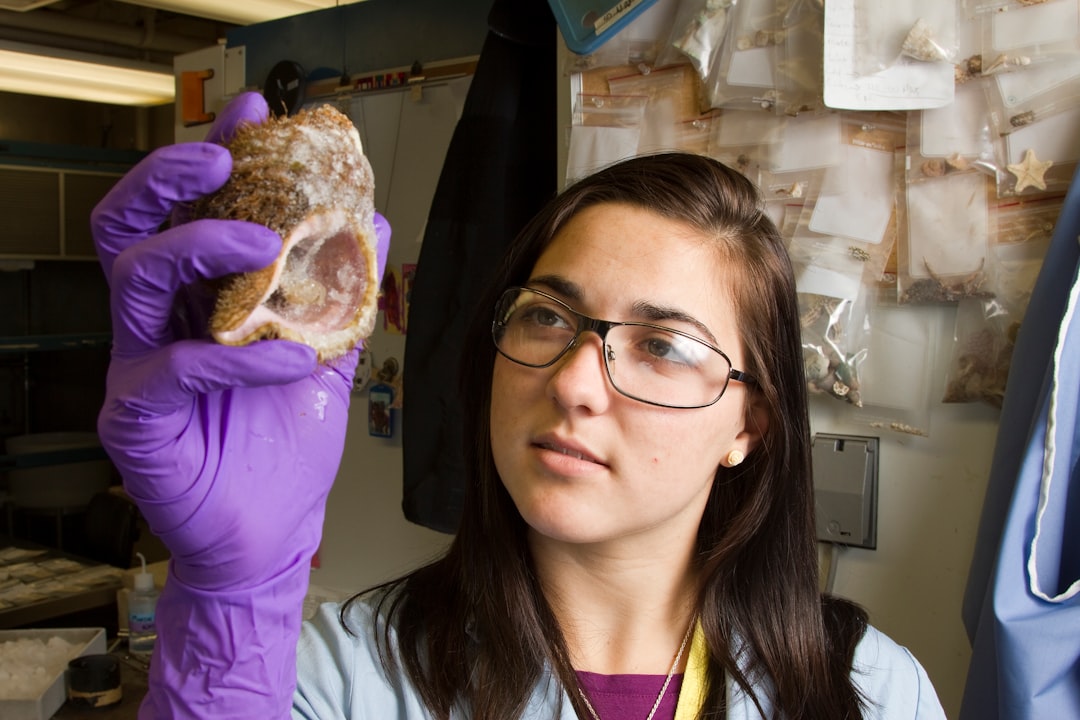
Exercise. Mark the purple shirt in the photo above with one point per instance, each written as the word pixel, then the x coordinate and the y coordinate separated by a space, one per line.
pixel 630 697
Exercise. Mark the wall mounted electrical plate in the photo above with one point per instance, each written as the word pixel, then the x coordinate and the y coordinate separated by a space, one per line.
pixel 846 489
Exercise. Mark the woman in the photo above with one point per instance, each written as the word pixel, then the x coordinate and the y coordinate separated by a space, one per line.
pixel 638 540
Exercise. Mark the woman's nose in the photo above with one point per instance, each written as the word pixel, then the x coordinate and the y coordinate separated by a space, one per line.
pixel 580 378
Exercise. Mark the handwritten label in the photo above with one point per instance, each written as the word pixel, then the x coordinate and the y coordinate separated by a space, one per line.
pixel 613 15
pixel 903 86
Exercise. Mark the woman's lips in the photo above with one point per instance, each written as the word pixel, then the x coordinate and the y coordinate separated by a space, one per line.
pixel 568 449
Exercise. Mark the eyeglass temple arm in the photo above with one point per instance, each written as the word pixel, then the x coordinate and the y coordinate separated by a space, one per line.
pixel 742 377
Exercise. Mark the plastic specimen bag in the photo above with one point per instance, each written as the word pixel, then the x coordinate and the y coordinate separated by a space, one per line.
pixel 986 329
pixel 943 240
pixel 850 222
pixel 832 313
pixel 744 77
pixel 605 129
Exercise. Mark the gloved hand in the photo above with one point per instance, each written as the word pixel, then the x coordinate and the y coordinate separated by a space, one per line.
pixel 229 452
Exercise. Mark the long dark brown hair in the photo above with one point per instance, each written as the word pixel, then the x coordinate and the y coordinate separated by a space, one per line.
pixel 474 628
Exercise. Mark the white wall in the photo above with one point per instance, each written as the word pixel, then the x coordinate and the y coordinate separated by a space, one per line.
pixel 930 498
pixel 366 539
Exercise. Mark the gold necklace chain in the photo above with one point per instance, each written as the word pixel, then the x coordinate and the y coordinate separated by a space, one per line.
pixel 667 680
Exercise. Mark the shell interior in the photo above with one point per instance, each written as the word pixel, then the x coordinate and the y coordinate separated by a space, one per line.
pixel 316 290
pixel 307 178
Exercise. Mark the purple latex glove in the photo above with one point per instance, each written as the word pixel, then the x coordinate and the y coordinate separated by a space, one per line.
pixel 229 452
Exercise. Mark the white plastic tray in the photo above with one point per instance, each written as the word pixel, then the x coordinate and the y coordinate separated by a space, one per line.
pixel 90 641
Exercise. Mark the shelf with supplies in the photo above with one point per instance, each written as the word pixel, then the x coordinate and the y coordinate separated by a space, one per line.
pixel 40 343
pixel 51 457
pixel 30 481
pixel 12 345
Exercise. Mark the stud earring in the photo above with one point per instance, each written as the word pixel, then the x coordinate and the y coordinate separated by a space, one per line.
pixel 735 457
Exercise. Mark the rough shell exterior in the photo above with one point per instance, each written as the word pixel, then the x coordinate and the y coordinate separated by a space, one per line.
pixel 307 178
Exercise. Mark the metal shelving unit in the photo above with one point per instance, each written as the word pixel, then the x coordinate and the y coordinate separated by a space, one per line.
pixel 35 343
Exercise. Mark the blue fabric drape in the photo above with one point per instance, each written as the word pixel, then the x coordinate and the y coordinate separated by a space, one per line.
pixel 1021 605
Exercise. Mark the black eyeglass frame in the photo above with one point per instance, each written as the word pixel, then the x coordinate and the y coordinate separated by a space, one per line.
pixel 601 328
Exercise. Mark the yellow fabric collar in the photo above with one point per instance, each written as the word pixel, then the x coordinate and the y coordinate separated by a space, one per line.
pixel 692 694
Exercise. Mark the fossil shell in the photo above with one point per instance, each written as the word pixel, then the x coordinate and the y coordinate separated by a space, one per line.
pixel 307 178
pixel 921 44
pixel 935 167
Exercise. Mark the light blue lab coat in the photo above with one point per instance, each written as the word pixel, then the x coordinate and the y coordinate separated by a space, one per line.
pixel 340 676
pixel 1021 606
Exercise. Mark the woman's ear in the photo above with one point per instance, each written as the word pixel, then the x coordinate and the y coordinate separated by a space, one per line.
pixel 754 429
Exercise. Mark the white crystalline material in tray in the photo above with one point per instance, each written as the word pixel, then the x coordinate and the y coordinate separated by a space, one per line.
pixel 28 666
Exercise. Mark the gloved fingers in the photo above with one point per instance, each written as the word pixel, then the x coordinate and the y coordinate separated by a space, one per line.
pixel 163 413
pixel 345 366
pixel 147 276
pixel 142 199
pixel 162 382
pixel 382 242
pixel 245 108
pixel 203 367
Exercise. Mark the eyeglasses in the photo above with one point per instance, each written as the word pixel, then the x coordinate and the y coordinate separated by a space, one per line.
pixel 649 363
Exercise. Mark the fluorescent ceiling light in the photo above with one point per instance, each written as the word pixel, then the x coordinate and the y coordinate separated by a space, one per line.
pixel 242 13
pixel 37 70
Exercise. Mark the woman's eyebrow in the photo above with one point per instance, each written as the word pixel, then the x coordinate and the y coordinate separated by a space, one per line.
pixel 658 314
pixel 571 291
pixel 645 311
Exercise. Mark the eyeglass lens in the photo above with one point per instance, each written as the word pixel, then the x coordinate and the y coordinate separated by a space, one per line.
pixel 653 364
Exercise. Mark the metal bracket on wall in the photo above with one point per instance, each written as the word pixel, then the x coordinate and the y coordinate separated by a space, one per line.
pixel 846 489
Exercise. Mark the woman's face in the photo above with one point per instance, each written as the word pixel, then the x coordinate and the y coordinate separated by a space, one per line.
pixel 583 463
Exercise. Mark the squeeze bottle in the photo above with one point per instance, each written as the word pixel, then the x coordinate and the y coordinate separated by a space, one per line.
pixel 142 604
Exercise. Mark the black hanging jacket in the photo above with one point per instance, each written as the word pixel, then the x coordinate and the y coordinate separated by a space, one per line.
pixel 499 170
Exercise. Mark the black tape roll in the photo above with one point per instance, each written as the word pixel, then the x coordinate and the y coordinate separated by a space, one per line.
pixel 94 681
